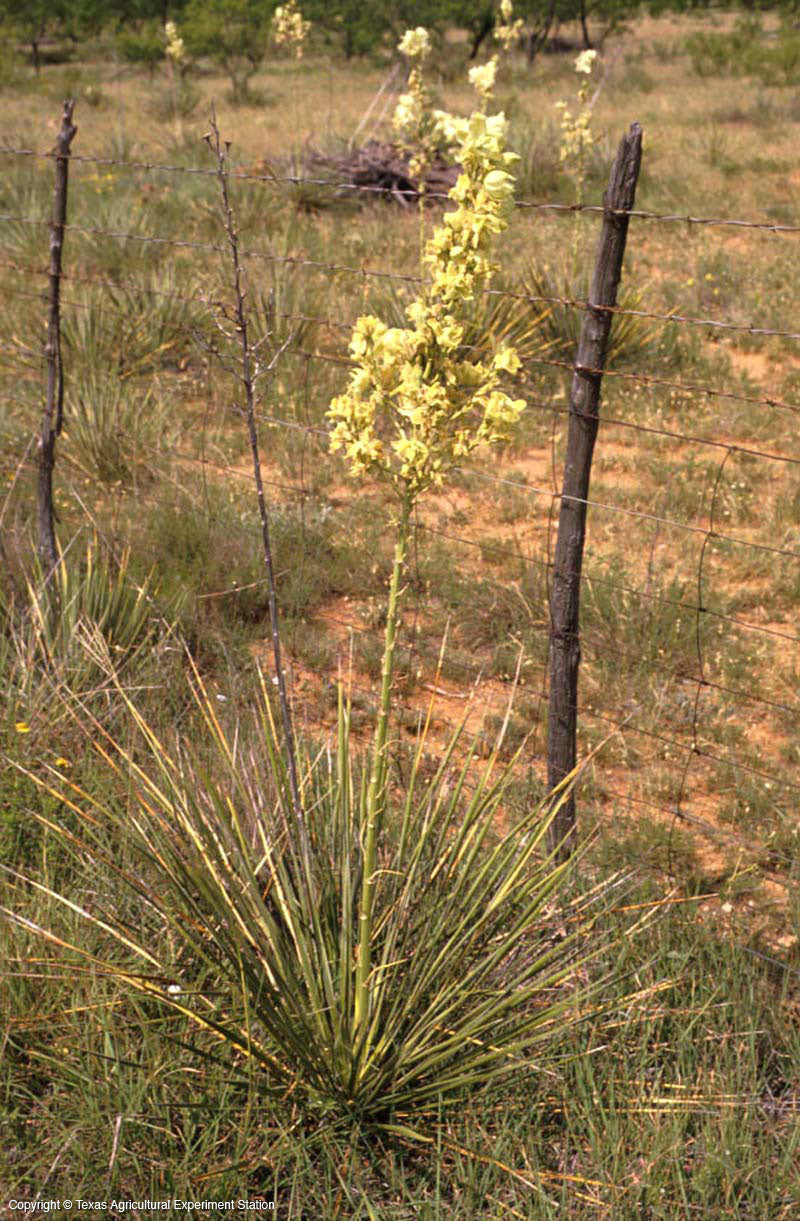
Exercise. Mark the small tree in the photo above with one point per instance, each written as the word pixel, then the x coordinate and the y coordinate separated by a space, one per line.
pixel 233 33
pixel 143 48
pixel 32 22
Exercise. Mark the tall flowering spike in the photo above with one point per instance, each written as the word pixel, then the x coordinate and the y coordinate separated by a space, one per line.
pixel 585 62
pixel 483 78
pixel 418 401
pixel 289 28
pixel 415 44
pixel 576 130
pixel 414 119
pixel 507 30
pixel 175 49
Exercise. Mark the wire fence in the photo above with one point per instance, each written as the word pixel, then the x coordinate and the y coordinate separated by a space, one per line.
pixel 666 675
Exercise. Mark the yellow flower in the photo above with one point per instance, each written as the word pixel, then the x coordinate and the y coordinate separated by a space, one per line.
pixel 289 29
pixel 507 361
pixel 418 401
pixel 176 50
pixel 507 30
pixel 483 77
pixel 62 762
pixel 499 185
pixel 416 44
pixel 415 121
pixel 22 727
pixel 585 62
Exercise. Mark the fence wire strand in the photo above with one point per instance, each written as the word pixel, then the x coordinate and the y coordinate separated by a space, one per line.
pixel 746 328
pixel 272 177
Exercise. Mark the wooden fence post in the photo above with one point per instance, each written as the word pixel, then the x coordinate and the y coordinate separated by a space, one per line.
pixel 565 652
pixel 54 400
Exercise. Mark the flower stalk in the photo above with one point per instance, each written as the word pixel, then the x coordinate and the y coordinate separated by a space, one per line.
pixel 577 138
pixel 376 792
pixel 419 400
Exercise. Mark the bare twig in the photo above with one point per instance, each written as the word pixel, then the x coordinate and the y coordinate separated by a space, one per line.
pixel 249 373
pixel 115 1145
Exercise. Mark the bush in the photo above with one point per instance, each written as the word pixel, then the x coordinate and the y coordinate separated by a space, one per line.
pixel 746 52
pixel 143 48
pixel 233 33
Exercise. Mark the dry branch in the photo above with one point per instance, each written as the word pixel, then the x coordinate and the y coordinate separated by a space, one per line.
pixel 384 169
pixel 249 372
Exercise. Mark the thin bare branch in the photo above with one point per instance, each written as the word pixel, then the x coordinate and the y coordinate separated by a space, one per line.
pixel 248 373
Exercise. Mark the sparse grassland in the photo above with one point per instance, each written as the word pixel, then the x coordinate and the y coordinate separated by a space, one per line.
pixel 687 1104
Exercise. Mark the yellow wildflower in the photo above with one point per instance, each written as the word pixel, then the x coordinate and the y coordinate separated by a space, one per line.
pixel 417 401
pixel 483 77
pixel 289 28
pixel 175 49
pixel 416 44
pixel 22 727
pixel 585 62
pixel 414 119
pixel 576 130
pixel 507 31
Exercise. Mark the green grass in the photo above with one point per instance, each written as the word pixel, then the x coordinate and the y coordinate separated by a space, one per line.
pixel 687 1104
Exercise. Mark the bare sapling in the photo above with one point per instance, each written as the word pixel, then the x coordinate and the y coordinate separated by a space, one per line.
pixel 251 370
pixel 53 415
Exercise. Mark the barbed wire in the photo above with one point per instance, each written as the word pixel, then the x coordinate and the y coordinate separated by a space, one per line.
pixel 272 177
pixel 628 589
pixel 549 406
pixel 206 300
pixel 587 578
pixel 494 548
pixel 369 696
pixel 346 327
pixel 551 495
pixel 623 722
pixel 747 328
pixel 695 747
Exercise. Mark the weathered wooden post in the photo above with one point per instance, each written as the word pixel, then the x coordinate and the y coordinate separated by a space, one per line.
pixel 54 399
pixel 565 652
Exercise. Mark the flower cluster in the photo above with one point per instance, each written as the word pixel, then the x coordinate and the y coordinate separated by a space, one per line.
pixel 418 401
pixel 585 62
pixel 414 118
pixel 576 130
pixel 176 49
pixel 483 78
pixel 289 28
pixel 507 31
pixel 415 44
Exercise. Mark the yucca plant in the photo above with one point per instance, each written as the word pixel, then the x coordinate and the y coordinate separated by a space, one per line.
pixel 479 957
pixel 563 286
pixel 134 329
pixel 563 291
pixel 44 631
pixel 113 429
